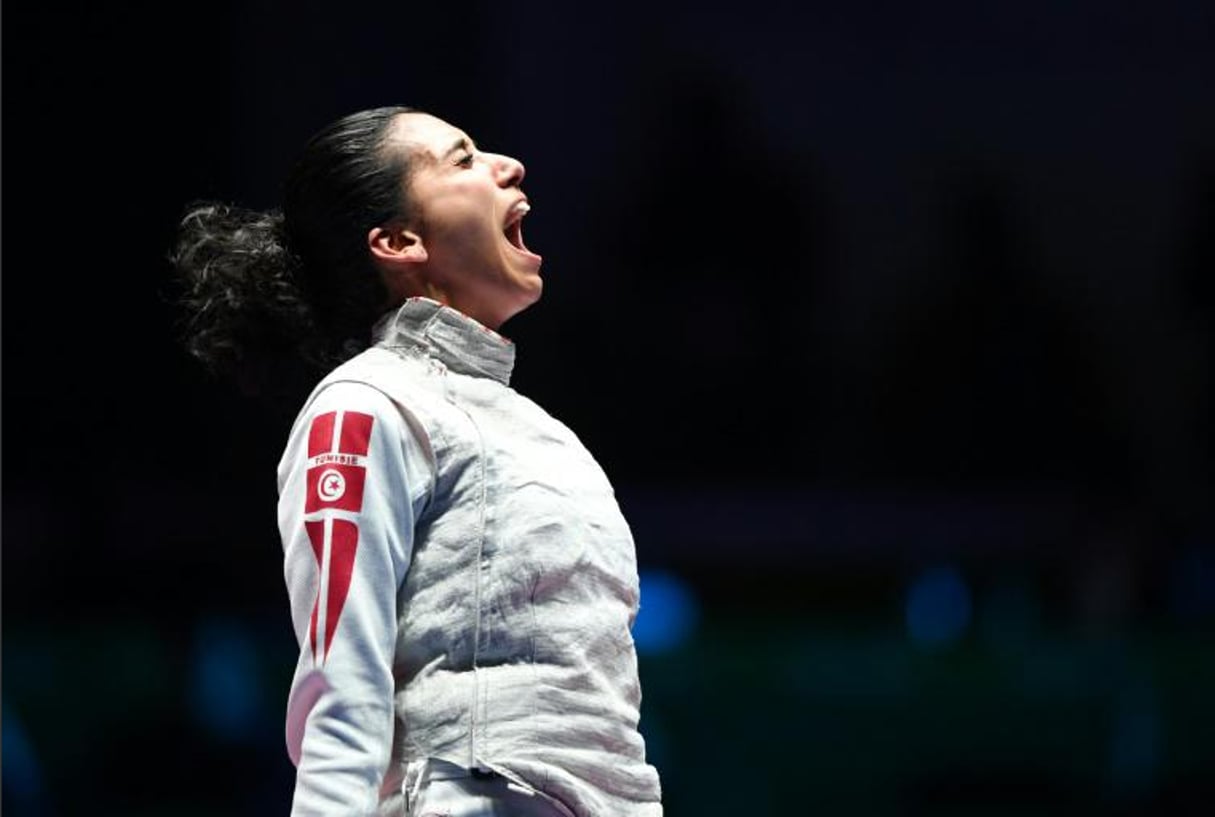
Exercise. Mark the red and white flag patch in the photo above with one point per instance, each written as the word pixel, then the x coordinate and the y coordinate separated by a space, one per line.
pixel 337 444
pixel 337 448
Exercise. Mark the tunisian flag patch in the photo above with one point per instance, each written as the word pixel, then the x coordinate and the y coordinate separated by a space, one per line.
pixel 335 452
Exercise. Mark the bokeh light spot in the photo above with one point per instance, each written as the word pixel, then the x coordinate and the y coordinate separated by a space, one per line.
pixel 225 689
pixel 938 607
pixel 22 777
pixel 668 614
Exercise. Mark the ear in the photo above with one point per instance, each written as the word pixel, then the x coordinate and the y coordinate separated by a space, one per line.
pixel 396 245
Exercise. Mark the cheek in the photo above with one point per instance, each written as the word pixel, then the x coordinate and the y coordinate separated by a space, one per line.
pixel 463 214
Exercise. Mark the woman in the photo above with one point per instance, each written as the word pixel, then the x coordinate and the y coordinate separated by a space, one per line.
pixel 462 582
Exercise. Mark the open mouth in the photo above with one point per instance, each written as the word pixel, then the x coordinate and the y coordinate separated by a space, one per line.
pixel 514 226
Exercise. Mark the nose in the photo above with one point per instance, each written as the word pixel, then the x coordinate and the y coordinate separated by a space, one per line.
pixel 508 170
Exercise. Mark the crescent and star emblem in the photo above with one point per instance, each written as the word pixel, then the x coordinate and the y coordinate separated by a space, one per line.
pixel 331 485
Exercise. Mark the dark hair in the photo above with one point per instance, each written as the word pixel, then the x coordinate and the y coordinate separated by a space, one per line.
pixel 265 292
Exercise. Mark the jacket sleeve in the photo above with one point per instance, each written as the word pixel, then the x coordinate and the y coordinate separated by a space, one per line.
pixel 352 480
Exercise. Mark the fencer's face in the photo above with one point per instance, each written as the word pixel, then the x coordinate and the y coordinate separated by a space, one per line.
pixel 467 208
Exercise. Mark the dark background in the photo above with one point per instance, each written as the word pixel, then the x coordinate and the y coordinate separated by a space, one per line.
pixel 892 325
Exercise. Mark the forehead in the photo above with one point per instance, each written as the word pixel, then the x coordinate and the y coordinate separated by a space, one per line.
pixel 426 137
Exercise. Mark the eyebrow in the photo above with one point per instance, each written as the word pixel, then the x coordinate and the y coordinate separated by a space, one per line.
pixel 463 143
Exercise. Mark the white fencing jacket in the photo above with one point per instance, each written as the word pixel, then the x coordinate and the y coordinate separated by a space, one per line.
pixel 462 583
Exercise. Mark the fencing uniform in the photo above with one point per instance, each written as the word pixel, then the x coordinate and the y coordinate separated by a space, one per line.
pixel 462 585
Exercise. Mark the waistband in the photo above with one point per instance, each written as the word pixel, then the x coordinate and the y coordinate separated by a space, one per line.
pixel 433 769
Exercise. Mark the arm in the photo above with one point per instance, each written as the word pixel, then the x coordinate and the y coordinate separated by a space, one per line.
pixel 351 482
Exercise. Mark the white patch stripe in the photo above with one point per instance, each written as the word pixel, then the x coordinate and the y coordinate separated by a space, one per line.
pixel 339 458
pixel 339 417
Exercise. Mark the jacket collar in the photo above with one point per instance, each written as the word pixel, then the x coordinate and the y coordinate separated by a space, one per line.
pixel 462 344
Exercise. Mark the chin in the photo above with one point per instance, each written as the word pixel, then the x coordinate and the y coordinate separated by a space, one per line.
pixel 522 303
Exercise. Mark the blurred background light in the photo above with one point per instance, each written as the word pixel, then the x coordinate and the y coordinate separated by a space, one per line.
pixel 225 681
pixel 22 773
pixel 938 607
pixel 668 614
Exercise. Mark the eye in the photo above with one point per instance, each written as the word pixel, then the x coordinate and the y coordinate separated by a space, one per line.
pixel 465 161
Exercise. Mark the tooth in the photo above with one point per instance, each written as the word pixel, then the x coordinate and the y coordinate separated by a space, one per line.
pixel 523 207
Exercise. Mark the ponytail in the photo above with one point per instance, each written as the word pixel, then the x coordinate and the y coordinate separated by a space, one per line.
pixel 245 313
pixel 274 297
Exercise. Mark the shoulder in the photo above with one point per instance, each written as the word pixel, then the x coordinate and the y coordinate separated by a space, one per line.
pixel 353 419
pixel 342 416
pixel 349 395
pixel 377 366
pixel 365 383
pixel 352 395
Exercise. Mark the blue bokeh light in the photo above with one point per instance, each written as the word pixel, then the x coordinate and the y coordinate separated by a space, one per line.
pixel 225 686
pixel 938 609
pixel 668 615
pixel 22 778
